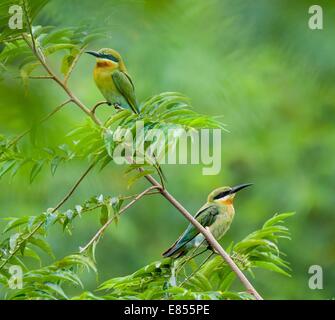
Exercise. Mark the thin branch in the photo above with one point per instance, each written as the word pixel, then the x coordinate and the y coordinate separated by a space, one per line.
pixel 192 255
pixel 73 189
pixel 196 270
pixel 39 77
pixel 64 86
pixel 29 25
pixel 100 232
pixel 73 64
pixel 36 77
pixel 49 115
pixel 41 223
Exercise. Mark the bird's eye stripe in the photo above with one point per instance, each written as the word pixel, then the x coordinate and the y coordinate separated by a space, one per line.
pixel 221 195
pixel 110 57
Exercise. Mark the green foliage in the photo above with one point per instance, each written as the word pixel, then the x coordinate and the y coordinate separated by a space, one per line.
pixel 30 10
pixel 22 236
pixel 45 41
pixel 12 159
pixel 46 283
pixel 25 238
pixel 158 280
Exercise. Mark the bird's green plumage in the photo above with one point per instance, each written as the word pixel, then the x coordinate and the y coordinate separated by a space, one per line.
pixel 217 214
pixel 125 86
pixel 112 79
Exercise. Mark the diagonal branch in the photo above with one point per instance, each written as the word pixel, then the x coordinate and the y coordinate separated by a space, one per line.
pixel 41 223
pixel 100 232
pixel 61 83
pixel 45 118
pixel 73 64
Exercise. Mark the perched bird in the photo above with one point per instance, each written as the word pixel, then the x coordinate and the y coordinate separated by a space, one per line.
pixel 217 214
pixel 112 79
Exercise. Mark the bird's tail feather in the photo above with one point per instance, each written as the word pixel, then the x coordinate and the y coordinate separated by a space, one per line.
pixel 176 248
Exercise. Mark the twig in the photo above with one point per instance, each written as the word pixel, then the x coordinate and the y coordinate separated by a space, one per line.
pixel 196 270
pixel 135 195
pixel 40 224
pixel 29 25
pixel 64 86
pixel 19 137
pixel 100 232
pixel 193 255
pixel 40 77
pixel 73 64
pixel 73 189
pixel 37 77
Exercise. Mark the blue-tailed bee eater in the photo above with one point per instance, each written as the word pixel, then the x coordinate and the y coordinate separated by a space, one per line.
pixel 113 80
pixel 217 214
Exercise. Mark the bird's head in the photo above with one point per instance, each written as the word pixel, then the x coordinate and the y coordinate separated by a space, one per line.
pixel 226 195
pixel 107 57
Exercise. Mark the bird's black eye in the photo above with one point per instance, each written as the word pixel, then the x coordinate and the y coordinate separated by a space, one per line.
pixel 109 57
pixel 222 194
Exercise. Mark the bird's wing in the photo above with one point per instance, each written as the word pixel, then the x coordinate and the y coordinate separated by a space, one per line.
pixel 124 84
pixel 206 216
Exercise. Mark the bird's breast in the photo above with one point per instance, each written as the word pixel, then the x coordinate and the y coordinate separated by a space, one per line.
pixel 103 76
pixel 104 81
pixel 222 222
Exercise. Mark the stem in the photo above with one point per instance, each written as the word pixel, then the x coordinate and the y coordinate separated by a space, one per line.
pixel 62 84
pixel 197 269
pixel 73 64
pixel 39 77
pixel 29 25
pixel 40 224
pixel 73 189
pixel 19 137
pixel 105 226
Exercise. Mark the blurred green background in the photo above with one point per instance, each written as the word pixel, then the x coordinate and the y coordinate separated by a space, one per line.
pixel 255 62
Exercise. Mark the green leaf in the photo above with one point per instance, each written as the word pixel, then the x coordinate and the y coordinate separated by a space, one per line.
pixel 19 164
pixel 66 63
pixel 28 252
pixel 7 166
pixel 57 289
pixel 55 163
pixel 277 218
pixel 42 244
pixel 228 281
pixel 270 266
pixel 37 167
pixel 15 222
pixel 104 214
pixel 13 241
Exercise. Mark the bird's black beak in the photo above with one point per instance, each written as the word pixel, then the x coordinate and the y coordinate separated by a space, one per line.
pixel 240 187
pixel 93 53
